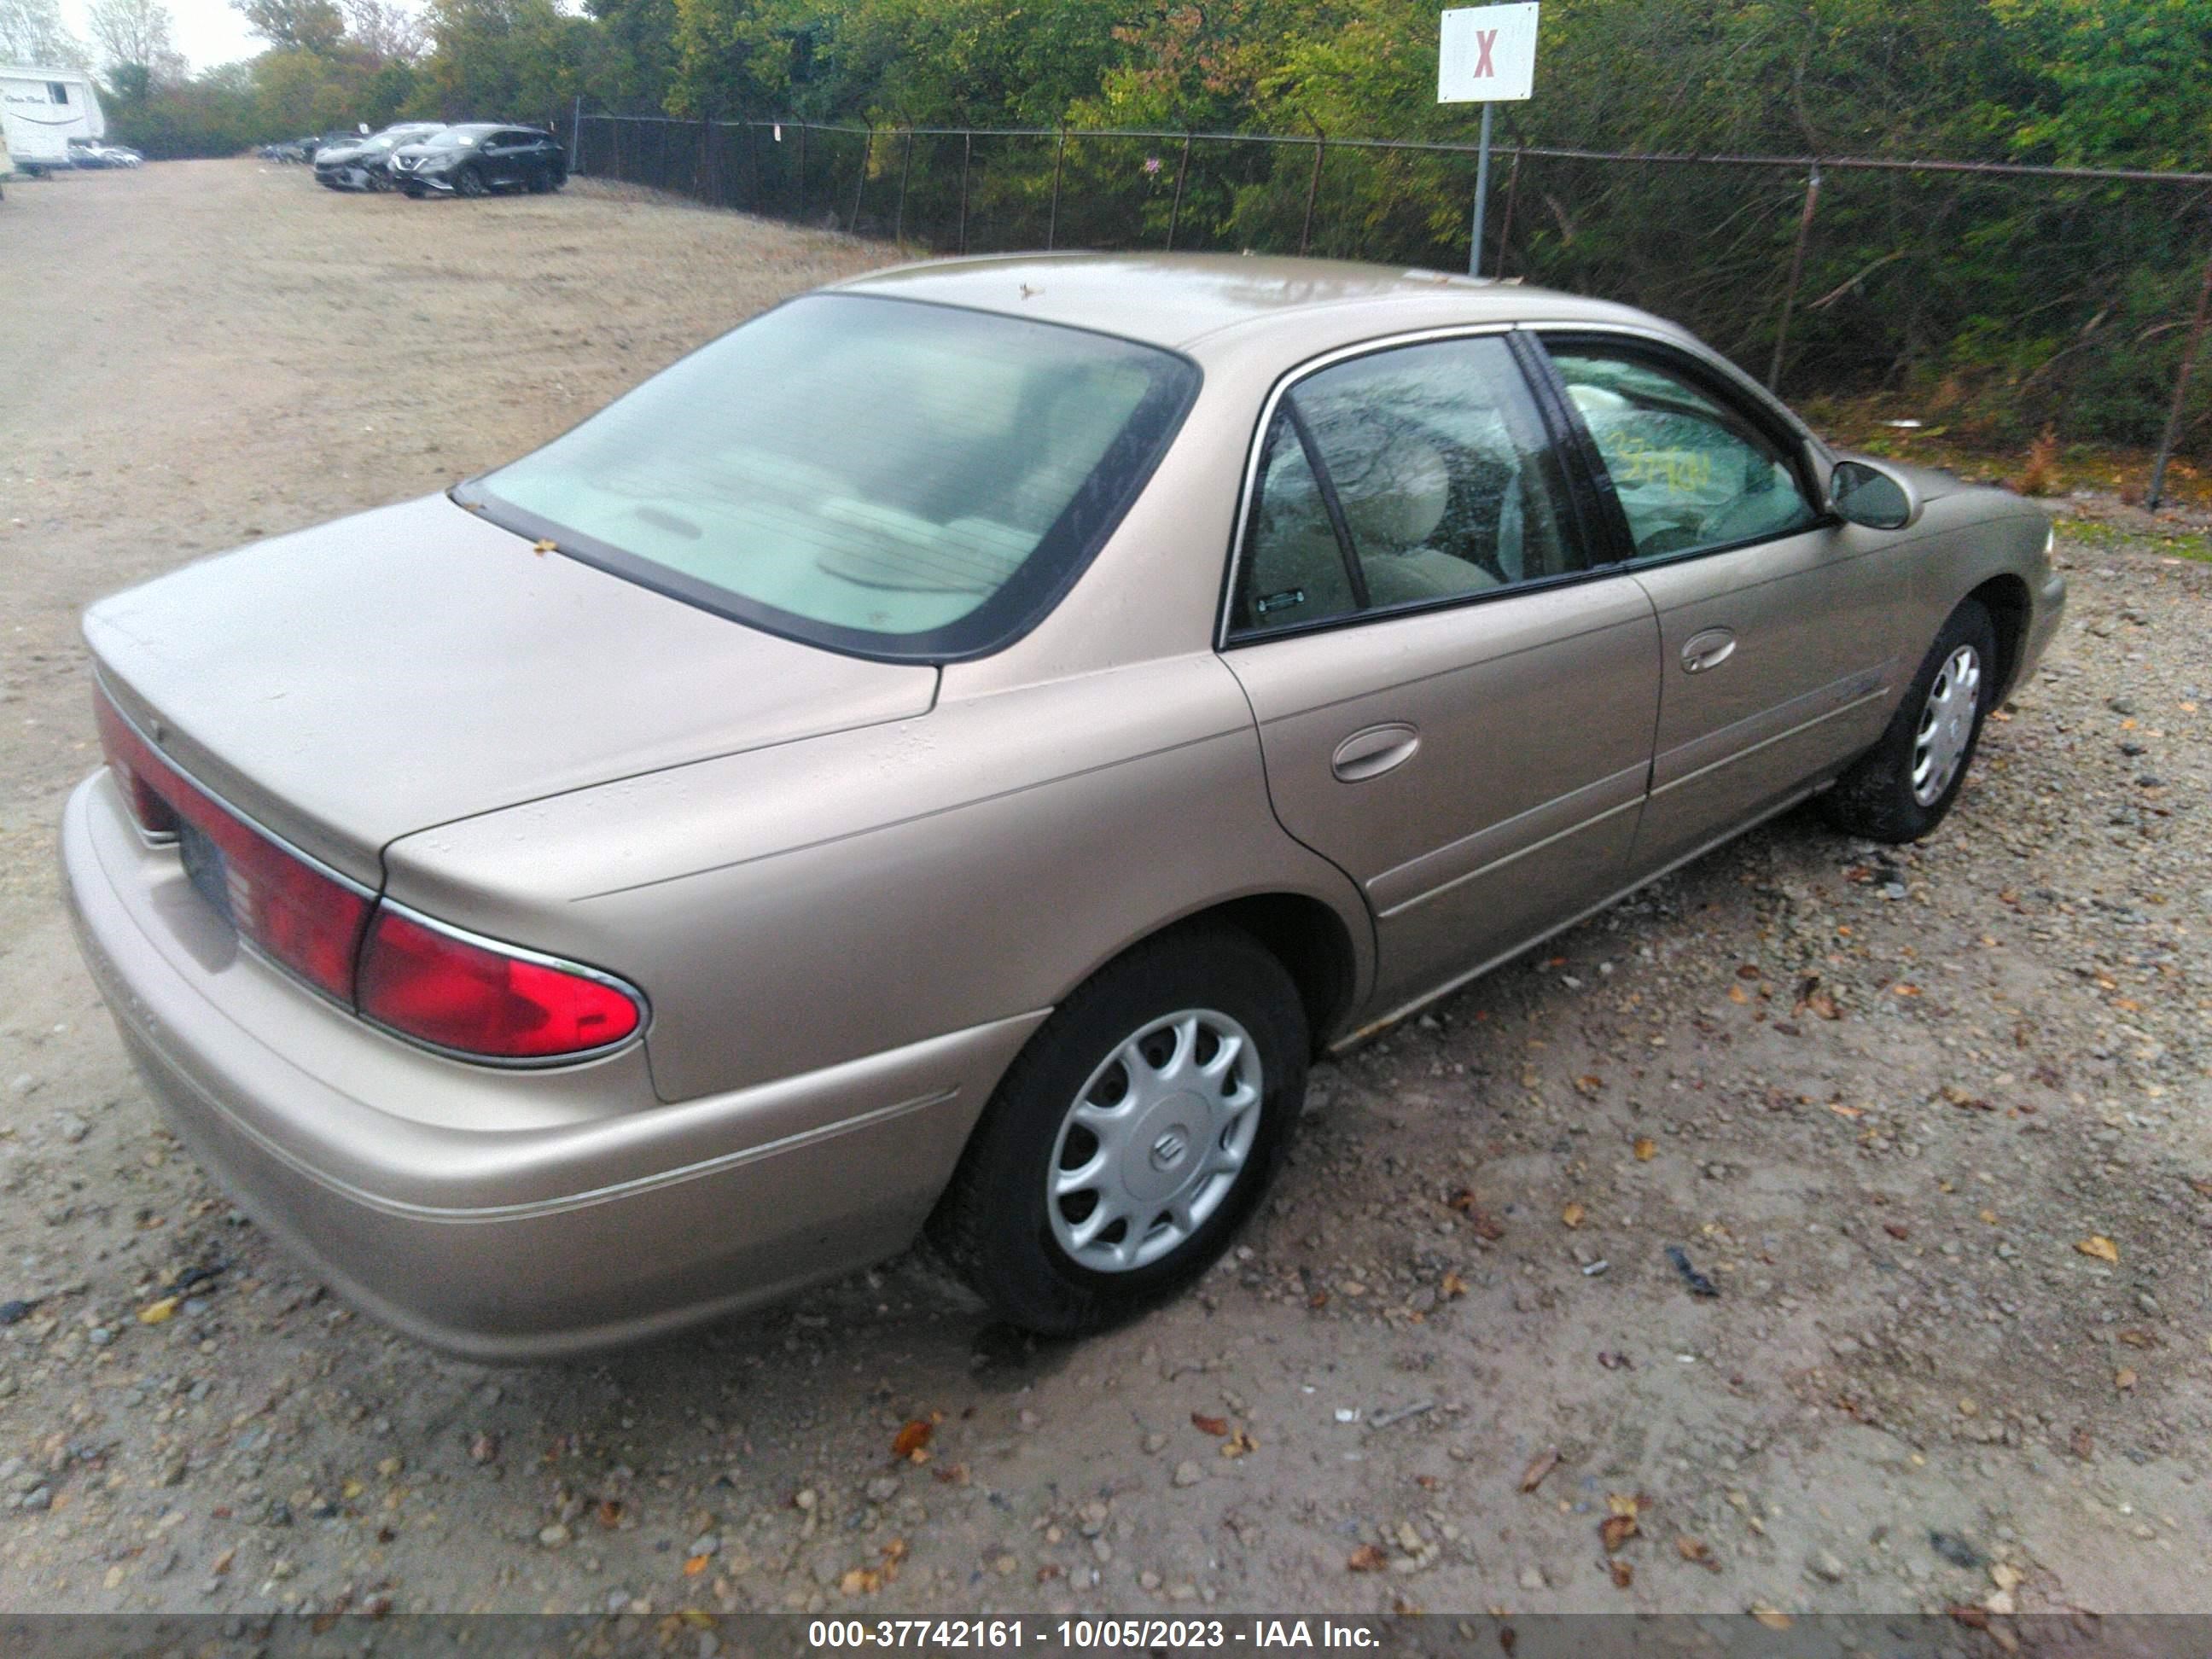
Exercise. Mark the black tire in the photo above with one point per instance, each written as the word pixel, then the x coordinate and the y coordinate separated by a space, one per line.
pixel 993 1224
pixel 471 183
pixel 415 193
pixel 1875 796
pixel 541 181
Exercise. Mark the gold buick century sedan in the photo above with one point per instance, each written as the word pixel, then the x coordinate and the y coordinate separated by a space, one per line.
pixel 946 756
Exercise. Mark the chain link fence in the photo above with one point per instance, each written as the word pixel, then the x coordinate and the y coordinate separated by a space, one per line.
pixel 2073 297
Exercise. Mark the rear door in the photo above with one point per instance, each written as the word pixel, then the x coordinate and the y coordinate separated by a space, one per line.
pixel 1777 623
pixel 1455 704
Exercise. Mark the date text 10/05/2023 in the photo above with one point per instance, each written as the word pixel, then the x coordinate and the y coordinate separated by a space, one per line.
pixel 1092 1634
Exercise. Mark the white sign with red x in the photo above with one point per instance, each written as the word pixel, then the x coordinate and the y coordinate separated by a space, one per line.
pixel 1488 55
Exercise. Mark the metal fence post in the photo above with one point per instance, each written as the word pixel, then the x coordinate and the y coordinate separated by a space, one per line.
pixel 867 150
pixel 801 214
pixel 1313 189
pixel 1175 213
pixel 1797 275
pixel 576 135
pixel 906 171
pixel 1052 218
pixel 967 151
pixel 753 158
pixel 2171 435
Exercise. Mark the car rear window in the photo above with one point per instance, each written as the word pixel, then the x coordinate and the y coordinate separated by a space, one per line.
pixel 882 477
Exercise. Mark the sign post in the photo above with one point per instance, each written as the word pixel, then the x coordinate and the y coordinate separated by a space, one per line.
pixel 1486 55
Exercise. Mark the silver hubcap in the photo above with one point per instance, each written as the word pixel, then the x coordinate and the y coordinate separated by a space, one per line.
pixel 1154 1141
pixel 1945 724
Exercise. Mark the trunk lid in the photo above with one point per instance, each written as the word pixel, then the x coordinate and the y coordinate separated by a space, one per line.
pixel 354 682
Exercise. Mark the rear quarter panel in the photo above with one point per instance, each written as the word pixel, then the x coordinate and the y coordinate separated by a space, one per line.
pixel 793 908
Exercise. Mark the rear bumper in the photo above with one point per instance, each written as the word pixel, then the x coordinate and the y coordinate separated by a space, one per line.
pixel 505 1216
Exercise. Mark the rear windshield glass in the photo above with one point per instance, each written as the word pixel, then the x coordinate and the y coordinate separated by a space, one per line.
pixel 882 477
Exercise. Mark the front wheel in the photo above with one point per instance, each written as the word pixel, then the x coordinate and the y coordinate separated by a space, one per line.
pixel 471 183
pixel 1131 1136
pixel 1900 790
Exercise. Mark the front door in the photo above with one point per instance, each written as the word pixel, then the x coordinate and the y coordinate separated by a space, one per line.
pixel 1455 706
pixel 1777 622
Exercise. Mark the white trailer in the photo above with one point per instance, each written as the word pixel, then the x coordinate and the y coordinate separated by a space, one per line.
pixel 42 109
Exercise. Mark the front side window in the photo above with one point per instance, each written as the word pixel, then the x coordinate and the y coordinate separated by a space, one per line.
pixel 1408 476
pixel 1690 471
pixel 879 475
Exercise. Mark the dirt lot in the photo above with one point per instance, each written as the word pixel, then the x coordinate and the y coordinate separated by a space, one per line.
pixel 1934 1124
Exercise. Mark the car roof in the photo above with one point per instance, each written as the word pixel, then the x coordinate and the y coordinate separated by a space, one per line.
pixel 1178 301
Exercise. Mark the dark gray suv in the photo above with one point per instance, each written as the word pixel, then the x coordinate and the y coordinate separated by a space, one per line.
pixel 478 158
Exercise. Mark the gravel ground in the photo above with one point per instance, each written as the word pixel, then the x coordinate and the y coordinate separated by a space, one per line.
pixel 1931 1122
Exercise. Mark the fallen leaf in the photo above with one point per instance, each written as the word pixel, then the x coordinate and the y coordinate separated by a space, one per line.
pixel 861 1581
pixel 1623 1574
pixel 1971 1617
pixel 1737 993
pixel 1625 1505
pixel 2123 1379
pixel 1695 1550
pixel 1903 989
pixel 1239 1444
pixel 1366 1558
pixel 2101 1247
pixel 2082 1445
pixel 1746 971
pixel 1589 1083
pixel 1539 1466
pixel 1573 1214
pixel 1216 1426
pixel 1772 1618
pixel 154 1313
pixel 1616 1530
pixel 696 1565
pixel 1823 1005
pixel 2203 1189
pixel 1453 1286
pixel 609 1513
pixel 1645 1149
pixel 953 1474
pixel 913 1437
pixel 1897 1230
pixel 1841 1110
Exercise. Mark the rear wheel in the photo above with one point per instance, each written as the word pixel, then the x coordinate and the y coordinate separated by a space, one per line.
pixel 1132 1136
pixel 1902 788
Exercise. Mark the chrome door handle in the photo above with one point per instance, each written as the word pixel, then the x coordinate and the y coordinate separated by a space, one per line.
pixel 1370 753
pixel 1708 650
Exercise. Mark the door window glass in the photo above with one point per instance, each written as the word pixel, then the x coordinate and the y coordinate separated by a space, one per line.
pixel 1690 471
pixel 1441 482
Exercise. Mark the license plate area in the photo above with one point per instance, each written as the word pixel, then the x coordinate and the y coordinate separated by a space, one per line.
pixel 206 868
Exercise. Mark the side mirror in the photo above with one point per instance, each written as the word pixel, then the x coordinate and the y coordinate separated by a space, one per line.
pixel 1861 493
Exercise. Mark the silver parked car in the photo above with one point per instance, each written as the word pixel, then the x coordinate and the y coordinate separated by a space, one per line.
pixel 949 753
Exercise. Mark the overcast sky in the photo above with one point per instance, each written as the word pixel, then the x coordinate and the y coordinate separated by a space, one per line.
pixel 208 32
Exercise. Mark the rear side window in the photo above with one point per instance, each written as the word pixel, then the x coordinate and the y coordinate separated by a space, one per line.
pixel 1406 477
pixel 1691 472
pixel 879 476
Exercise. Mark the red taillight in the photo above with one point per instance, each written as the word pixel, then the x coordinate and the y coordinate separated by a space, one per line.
pixel 129 758
pixel 472 997
pixel 427 984
pixel 301 917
